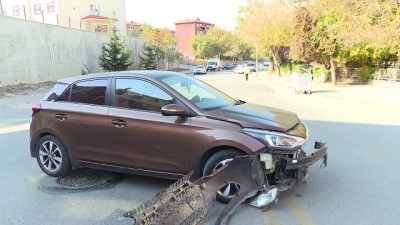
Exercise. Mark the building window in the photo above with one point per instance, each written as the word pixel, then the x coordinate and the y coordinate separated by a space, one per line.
pixel 15 10
pixel 131 27
pixel 37 9
pixel 101 28
pixel 51 7
pixel 95 10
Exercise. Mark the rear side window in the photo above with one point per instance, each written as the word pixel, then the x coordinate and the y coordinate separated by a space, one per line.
pixel 88 92
pixel 55 92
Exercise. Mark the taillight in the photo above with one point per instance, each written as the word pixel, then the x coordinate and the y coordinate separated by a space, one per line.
pixel 36 108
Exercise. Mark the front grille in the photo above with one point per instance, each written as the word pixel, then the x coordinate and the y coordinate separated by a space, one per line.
pixel 300 130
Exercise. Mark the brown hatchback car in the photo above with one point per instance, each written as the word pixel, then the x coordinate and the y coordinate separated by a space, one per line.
pixel 163 124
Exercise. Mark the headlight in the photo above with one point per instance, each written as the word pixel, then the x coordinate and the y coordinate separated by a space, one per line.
pixel 276 139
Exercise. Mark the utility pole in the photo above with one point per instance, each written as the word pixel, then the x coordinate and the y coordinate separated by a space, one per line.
pixel 257 60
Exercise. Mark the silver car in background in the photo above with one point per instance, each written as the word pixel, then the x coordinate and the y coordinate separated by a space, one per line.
pixel 239 69
pixel 200 70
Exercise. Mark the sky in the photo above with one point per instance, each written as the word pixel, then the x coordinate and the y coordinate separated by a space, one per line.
pixel 164 13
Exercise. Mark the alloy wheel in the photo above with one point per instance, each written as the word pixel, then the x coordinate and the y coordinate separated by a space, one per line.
pixel 50 156
pixel 231 189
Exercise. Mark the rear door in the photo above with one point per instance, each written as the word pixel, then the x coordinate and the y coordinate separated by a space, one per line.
pixel 80 117
pixel 140 136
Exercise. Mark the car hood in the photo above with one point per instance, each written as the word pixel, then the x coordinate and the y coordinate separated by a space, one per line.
pixel 256 116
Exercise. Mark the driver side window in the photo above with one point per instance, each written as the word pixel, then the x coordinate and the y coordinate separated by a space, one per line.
pixel 140 95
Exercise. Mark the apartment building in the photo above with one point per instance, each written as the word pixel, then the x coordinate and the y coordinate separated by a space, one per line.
pixel 133 28
pixel 185 30
pixel 91 15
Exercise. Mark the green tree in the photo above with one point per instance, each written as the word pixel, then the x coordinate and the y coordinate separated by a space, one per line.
pixel 267 24
pixel 355 32
pixel 301 48
pixel 115 56
pixel 164 44
pixel 148 60
pixel 201 46
pixel 215 44
pixel 239 49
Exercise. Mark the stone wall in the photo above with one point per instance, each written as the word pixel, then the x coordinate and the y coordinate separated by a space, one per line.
pixel 32 52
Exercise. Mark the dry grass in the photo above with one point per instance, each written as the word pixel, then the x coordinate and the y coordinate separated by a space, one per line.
pixel 24 89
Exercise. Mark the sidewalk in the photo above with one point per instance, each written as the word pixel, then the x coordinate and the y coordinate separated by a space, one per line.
pixel 387 93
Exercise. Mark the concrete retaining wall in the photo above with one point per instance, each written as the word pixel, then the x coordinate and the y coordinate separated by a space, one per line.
pixel 32 52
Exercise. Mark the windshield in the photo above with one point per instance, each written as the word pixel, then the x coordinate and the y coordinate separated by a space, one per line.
pixel 212 63
pixel 201 94
pixel 199 66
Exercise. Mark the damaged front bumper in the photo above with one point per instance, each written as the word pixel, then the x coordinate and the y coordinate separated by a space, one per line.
pixel 285 169
pixel 190 203
pixel 305 161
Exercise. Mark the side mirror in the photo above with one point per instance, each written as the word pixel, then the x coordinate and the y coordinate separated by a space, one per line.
pixel 172 110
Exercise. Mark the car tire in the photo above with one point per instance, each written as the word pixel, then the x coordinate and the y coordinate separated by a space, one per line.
pixel 52 156
pixel 215 162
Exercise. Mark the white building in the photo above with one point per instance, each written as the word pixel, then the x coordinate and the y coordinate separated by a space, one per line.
pixel 91 15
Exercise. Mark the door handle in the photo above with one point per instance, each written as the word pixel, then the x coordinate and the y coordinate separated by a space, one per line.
pixel 60 116
pixel 119 123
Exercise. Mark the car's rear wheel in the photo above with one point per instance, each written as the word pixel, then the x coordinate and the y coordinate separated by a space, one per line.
pixel 215 163
pixel 52 156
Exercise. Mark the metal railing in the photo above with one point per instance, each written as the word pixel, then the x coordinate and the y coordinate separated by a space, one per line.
pixel 351 75
pixel 391 74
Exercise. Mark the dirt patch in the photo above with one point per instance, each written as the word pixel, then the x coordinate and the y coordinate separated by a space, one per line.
pixel 24 89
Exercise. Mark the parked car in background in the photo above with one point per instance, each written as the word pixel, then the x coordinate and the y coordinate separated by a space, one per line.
pixel 251 66
pixel 200 69
pixel 228 67
pixel 239 69
pixel 265 63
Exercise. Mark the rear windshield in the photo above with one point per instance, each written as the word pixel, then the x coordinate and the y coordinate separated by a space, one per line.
pixel 55 92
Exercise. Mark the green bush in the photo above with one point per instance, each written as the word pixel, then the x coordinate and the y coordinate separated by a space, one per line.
pixel 365 74
pixel 299 66
pixel 320 70
pixel 285 68
pixel 293 67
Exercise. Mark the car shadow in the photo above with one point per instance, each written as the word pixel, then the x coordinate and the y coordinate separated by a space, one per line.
pixel 322 91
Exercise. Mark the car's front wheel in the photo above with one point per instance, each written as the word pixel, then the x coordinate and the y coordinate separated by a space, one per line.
pixel 215 163
pixel 52 156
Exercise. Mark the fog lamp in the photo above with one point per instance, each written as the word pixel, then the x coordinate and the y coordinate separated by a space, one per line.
pixel 265 198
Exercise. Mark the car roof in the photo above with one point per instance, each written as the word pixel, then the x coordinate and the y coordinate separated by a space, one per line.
pixel 135 73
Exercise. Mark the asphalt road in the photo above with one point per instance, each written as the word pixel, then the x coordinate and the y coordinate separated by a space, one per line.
pixel 359 186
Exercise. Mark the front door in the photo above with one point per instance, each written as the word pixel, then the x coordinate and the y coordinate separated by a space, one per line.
pixel 140 136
